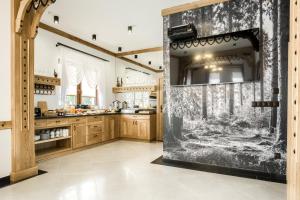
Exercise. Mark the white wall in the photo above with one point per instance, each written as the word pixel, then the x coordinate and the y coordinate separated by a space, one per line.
pixel 5 87
pixel 46 60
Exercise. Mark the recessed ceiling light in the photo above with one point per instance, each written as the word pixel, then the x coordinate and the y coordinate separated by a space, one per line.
pixel 119 49
pixel 94 37
pixel 56 19
pixel 130 29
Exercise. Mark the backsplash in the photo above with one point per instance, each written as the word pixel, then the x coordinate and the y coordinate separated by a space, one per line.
pixel 216 124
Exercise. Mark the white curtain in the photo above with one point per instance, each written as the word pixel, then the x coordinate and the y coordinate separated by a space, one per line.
pixel 76 66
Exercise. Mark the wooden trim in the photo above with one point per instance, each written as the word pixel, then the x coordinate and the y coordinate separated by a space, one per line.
pixel 293 135
pixel 21 14
pixel 149 88
pixel 75 39
pixel 5 125
pixel 190 6
pixel 91 45
pixel 140 51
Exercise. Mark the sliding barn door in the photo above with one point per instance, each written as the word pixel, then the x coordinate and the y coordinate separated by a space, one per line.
pixel 294 104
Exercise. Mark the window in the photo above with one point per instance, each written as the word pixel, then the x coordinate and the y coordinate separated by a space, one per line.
pixel 214 78
pixel 81 94
pixel 88 94
pixel 237 77
pixel 71 95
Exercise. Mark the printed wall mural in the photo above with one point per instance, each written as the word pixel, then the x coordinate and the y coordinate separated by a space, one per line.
pixel 216 124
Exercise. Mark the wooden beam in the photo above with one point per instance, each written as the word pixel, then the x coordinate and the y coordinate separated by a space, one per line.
pixel 5 125
pixel 140 51
pixel 91 45
pixel 74 38
pixel 190 6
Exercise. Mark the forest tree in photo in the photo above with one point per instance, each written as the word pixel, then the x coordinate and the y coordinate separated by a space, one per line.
pixel 216 124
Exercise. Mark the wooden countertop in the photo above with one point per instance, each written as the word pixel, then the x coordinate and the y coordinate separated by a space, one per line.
pixel 102 114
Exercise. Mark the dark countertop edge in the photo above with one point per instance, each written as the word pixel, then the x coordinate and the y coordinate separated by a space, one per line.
pixel 102 114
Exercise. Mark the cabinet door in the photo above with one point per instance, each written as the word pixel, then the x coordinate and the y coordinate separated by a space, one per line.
pixel 128 129
pixel 95 133
pixel 109 131
pixel 143 129
pixel 79 136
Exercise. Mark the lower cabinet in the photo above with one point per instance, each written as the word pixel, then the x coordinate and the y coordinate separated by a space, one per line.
pixel 79 135
pixel 127 129
pixel 138 127
pixel 95 133
pixel 111 128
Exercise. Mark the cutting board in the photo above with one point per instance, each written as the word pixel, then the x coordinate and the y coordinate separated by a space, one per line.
pixel 43 106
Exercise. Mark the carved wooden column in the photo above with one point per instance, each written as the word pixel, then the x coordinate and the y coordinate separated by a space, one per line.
pixel 293 172
pixel 25 20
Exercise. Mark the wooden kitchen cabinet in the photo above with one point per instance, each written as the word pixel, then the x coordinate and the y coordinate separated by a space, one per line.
pixel 95 133
pixel 142 127
pixel 111 130
pixel 127 129
pixel 79 135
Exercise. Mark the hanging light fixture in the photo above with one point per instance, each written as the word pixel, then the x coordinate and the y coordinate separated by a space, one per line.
pixel 56 19
pixel 94 37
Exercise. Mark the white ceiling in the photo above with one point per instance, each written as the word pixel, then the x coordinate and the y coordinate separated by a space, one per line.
pixel 109 20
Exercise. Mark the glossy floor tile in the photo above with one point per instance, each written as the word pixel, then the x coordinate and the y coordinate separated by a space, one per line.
pixel 122 171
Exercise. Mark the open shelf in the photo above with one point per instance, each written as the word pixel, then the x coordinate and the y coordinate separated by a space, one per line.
pixel 43 154
pixel 151 88
pixel 52 140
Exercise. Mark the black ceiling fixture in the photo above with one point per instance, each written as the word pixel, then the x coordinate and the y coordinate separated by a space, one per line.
pixel 149 62
pixel 160 67
pixel 119 49
pixel 94 37
pixel 130 29
pixel 56 19
pixel 136 56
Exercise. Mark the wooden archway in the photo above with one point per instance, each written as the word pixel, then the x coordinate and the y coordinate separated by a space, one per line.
pixel 26 15
pixel 25 21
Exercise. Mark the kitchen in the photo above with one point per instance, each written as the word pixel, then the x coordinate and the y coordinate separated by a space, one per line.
pixel 77 106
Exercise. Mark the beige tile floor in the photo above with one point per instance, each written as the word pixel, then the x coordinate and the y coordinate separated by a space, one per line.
pixel 122 171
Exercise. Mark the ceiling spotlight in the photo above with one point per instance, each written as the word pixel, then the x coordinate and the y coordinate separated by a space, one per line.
pixel 220 69
pixel 94 37
pixel 198 57
pixel 119 49
pixel 206 67
pixel 136 56
pixel 212 66
pixel 56 19
pixel 130 29
pixel 149 62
